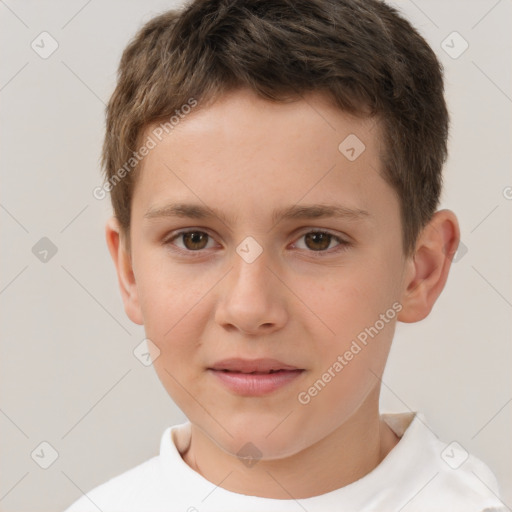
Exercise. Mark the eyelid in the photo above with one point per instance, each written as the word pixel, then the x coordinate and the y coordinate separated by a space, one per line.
pixel 343 243
pixel 317 229
pixel 179 232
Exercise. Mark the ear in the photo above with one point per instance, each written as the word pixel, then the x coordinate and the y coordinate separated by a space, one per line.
pixel 122 260
pixel 427 269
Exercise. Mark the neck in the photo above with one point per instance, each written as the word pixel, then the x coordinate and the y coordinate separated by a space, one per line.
pixel 344 456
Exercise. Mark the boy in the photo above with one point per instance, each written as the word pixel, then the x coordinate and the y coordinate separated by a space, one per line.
pixel 275 169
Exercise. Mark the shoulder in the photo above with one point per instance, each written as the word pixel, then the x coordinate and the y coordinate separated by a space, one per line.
pixel 442 475
pixel 121 491
pixel 466 479
pixel 147 486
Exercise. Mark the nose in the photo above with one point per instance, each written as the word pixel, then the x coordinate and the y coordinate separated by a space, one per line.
pixel 252 300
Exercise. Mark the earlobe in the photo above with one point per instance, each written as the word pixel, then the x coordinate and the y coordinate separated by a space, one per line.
pixel 125 275
pixel 429 268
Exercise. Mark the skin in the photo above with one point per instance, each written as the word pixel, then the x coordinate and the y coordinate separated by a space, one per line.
pixel 246 157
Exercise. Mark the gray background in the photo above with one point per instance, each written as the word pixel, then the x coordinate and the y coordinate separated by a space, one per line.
pixel 68 375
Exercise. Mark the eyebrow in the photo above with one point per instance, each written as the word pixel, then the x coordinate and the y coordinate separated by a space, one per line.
pixel 314 211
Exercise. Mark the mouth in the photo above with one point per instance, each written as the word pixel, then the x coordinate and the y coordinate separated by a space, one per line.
pixel 253 366
pixel 256 373
pixel 254 377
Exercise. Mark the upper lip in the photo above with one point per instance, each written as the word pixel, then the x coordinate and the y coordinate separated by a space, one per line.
pixel 251 365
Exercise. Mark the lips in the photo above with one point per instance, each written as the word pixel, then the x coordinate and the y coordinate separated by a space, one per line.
pixel 252 366
pixel 256 377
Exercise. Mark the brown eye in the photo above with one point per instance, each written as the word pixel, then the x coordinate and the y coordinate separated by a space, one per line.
pixel 194 240
pixel 318 241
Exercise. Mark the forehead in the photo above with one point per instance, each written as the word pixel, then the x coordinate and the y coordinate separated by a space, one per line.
pixel 245 151
pixel 242 112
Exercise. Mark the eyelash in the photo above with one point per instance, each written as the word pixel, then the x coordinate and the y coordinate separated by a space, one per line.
pixel 343 245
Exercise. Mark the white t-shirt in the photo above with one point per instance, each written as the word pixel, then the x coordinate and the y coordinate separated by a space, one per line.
pixel 421 473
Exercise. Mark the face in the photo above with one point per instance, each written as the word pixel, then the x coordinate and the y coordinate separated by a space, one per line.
pixel 256 236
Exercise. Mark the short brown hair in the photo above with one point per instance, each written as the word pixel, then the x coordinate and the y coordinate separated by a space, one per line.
pixel 361 53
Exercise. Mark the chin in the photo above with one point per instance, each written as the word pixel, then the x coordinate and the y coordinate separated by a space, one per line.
pixel 258 441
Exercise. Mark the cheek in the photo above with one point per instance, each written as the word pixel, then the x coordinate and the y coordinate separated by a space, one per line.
pixel 346 370
pixel 169 294
pixel 349 300
pixel 349 321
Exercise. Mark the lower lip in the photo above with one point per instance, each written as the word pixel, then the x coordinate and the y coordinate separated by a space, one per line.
pixel 253 384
